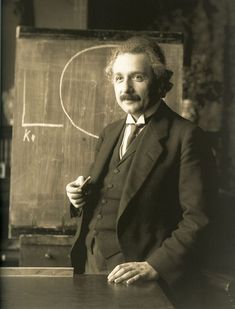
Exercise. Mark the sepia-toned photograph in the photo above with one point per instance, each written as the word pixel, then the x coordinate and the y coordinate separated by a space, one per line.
pixel 117 154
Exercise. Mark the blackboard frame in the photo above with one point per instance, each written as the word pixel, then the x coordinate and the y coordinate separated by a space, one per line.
pixel 31 32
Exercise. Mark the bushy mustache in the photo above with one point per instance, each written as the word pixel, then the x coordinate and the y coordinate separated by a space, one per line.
pixel 130 97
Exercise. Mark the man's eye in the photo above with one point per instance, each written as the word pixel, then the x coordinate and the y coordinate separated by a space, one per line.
pixel 118 79
pixel 138 77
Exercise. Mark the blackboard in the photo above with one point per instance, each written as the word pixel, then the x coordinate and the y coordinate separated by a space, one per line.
pixel 62 102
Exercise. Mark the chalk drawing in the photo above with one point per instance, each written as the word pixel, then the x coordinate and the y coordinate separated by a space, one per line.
pixel 61 83
pixel 24 124
pixel 28 137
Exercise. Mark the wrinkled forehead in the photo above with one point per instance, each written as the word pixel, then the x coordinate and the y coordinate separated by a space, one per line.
pixel 129 62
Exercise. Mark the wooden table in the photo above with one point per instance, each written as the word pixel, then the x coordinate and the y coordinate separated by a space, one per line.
pixel 84 291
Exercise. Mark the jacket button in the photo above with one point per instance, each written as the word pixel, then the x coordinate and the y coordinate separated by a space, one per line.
pixel 116 171
pixel 109 186
pixel 99 216
pixel 103 201
pixel 95 232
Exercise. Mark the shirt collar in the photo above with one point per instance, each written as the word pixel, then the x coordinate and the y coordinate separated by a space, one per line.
pixel 141 120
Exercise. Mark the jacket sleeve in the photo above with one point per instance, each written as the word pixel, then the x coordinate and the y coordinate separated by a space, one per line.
pixel 197 189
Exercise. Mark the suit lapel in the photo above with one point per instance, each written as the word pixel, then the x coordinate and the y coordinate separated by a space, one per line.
pixel 106 149
pixel 147 154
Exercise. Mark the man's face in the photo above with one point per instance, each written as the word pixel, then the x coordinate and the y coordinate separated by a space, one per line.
pixel 132 79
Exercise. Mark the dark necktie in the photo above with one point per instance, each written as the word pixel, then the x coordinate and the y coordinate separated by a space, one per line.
pixel 135 129
pixel 133 133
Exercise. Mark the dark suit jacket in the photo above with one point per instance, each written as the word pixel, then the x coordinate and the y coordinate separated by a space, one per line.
pixel 165 198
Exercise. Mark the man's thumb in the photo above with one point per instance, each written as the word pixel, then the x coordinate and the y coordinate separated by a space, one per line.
pixel 79 181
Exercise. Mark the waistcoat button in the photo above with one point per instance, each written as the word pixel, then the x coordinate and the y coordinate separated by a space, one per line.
pixel 95 232
pixel 116 171
pixel 99 216
pixel 109 186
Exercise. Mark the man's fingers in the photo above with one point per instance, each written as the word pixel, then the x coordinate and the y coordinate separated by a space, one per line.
pixel 73 186
pixel 113 272
pixel 75 196
pixel 118 274
pixel 73 189
pixel 133 279
pixel 78 201
pixel 127 275
pixel 79 181
pixel 75 193
pixel 133 271
pixel 76 204
pixel 119 271
pixel 116 269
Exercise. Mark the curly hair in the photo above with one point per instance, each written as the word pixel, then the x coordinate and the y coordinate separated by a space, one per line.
pixel 147 46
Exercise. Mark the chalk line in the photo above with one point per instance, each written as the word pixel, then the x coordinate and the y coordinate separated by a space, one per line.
pixel 25 124
pixel 61 82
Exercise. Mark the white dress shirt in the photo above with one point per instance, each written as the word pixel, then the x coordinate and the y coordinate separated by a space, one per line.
pixel 140 121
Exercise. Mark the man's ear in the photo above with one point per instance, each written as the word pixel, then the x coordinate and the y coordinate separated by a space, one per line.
pixel 164 83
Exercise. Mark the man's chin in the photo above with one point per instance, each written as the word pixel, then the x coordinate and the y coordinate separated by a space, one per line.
pixel 131 107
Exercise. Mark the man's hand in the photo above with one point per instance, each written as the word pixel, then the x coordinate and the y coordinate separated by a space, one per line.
pixel 75 194
pixel 131 272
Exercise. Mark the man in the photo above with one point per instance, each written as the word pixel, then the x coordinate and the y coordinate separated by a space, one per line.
pixel 143 212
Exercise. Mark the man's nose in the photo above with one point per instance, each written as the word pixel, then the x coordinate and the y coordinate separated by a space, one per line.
pixel 127 86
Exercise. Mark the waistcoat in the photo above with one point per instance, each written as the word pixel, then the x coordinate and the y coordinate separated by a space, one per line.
pixel 102 227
